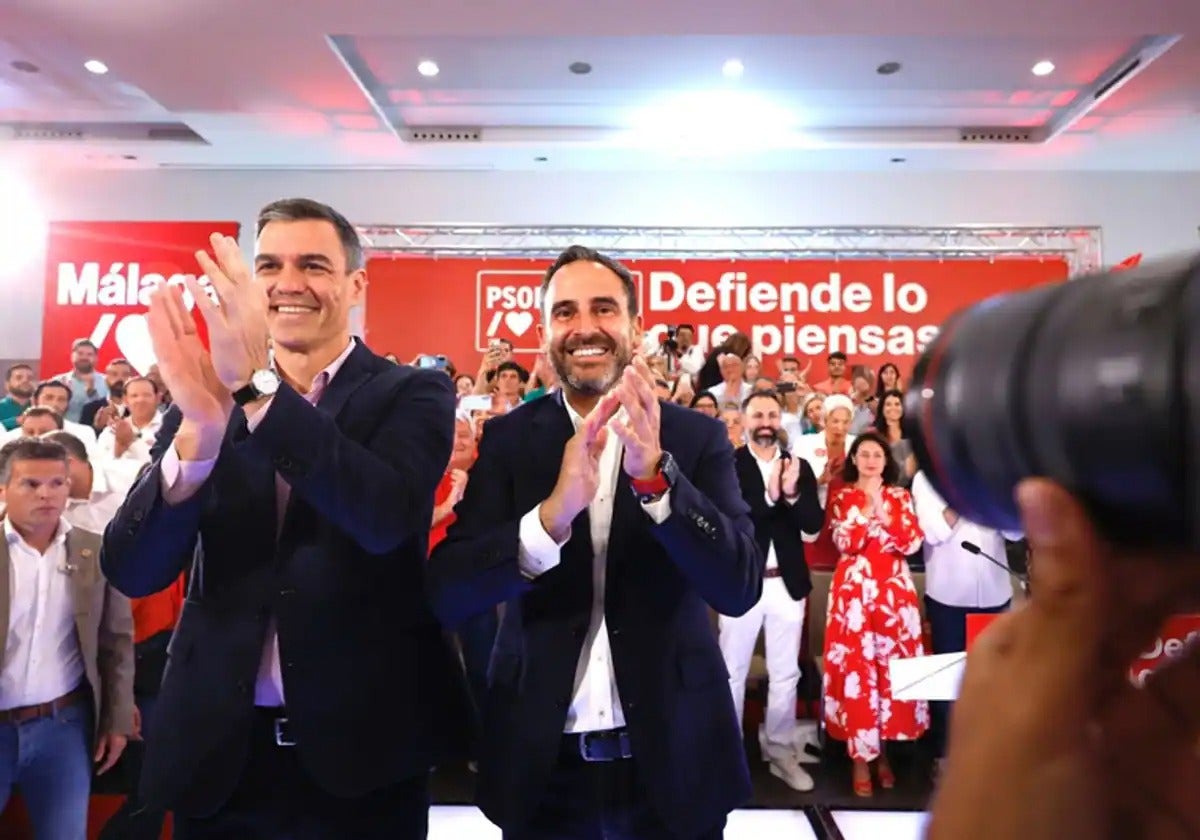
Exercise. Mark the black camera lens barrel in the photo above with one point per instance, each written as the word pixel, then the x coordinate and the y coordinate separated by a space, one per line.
pixel 1093 382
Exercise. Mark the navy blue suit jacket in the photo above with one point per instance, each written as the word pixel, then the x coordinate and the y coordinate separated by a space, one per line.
pixel 661 581
pixel 374 692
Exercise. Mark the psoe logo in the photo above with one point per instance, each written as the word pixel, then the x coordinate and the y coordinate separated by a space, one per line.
pixel 508 304
pixel 122 286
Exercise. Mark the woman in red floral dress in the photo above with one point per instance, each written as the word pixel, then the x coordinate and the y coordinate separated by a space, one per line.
pixel 873 612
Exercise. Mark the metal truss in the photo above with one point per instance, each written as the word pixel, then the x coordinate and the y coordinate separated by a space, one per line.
pixel 1080 246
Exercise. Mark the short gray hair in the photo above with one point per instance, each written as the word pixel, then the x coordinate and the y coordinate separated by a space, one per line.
pixel 302 209
pixel 29 449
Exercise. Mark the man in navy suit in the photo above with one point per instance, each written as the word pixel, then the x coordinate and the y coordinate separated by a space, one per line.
pixel 309 687
pixel 609 522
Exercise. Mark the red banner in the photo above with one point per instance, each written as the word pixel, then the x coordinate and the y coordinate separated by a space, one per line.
pixel 98 275
pixel 874 311
pixel 1172 639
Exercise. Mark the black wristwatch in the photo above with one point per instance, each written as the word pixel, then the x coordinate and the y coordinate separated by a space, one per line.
pixel 263 383
pixel 664 480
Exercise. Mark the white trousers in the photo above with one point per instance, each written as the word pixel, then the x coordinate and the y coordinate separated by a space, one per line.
pixel 782 620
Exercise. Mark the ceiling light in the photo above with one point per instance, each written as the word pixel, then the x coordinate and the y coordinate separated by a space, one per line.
pixel 1043 68
pixel 733 69
pixel 96 66
pixel 888 68
pixel 428 69
pixel 580 68
pixel 24 66
pixel 899 160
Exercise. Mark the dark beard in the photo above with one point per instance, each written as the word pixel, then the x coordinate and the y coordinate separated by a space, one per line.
pixel 766 437
pixel 594 386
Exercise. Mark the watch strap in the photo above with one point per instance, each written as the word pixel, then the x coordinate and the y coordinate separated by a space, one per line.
pixel 655 486
pixel 246 394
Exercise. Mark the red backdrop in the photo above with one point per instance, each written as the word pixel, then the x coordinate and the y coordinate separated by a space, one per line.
pixel 98 275
pixel 874 311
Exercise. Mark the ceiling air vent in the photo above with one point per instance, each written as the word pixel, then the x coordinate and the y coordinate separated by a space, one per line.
pixel 996 135
pixel 444 135
pixel 47 132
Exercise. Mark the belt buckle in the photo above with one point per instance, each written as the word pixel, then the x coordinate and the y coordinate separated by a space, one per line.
pixel 585 753
pixel 282 739
pixel 623 747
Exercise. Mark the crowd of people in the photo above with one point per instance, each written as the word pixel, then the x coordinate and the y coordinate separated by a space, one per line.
pixel 575 524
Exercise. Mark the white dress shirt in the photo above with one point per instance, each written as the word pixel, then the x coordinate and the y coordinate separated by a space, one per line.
pixel 42 660
pixel 595 703
pixel 954 576
pixel 721 394
pixel 766 466
pixel 86 435
pixel 139 450
pixel 111 481
pixel 180 479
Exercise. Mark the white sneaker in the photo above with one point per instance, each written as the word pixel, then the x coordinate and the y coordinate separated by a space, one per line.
pixel 804 735
pixel 792 775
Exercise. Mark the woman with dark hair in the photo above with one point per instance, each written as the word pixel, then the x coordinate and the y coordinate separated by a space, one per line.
pixel 873 613
pixel 887 379
pixel 706 404
pixel 889 422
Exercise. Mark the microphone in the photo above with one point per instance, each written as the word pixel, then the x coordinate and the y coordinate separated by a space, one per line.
pixel 974 549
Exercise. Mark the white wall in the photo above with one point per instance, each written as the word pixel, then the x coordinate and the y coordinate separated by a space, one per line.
pixel 1152 213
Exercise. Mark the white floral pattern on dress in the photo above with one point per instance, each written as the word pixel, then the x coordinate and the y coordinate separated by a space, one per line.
pixel 873 617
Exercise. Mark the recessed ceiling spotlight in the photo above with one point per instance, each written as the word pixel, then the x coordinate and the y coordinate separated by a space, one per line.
pixel 94 65
pixel 25 66
pixel 1043 68
pixel 428 68
pixel 540 159
pixel 888 68
pixel 899 160
pixel 733 69
pixel 580 68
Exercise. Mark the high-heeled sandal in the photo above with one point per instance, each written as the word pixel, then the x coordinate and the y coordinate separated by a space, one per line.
pixel 887 779
pixel 863 788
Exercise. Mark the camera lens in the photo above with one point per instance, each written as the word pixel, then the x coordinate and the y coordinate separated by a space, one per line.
pixel 1094 383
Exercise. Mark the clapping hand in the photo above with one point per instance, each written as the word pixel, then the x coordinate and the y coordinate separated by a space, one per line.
pixel 775 481
pixel 579 475
pixel 640 428
pixel 186 367
pixel 237 322
pixel 458 485
pixel 790 478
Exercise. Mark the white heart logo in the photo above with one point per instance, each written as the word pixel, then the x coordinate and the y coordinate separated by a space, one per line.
pixel 518 322
pixel 133 340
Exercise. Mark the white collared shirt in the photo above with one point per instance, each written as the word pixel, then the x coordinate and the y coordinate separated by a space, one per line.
pixel 42 660
pixel 765 467
pixel 595 702
pixel 139 449
pixel 720 392
pixel 180 479
pixel 111 481
pixel 954 576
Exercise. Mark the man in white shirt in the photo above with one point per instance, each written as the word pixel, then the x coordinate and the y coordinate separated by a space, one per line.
pixel 683 354
pixel 733 389
pixel 608 523
pixel 132 437
pixel 958 582
pixel 781 491
pixel 66 638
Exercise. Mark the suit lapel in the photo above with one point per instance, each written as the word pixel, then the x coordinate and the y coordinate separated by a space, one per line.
pixel 748 471
pixel 5 592
pixel 259 473
pixel 81 569
pixel 353 373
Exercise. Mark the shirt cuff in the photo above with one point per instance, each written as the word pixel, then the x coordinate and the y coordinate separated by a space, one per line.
pixel 181 479
pixel 537 553
pixel 767 497
pixel 257 417
pixel 659 509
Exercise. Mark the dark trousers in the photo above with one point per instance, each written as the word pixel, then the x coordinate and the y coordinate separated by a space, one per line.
pixel 477 637
pixel 133 820
pixel 599 801
pixel 948 629
pixel 275 799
